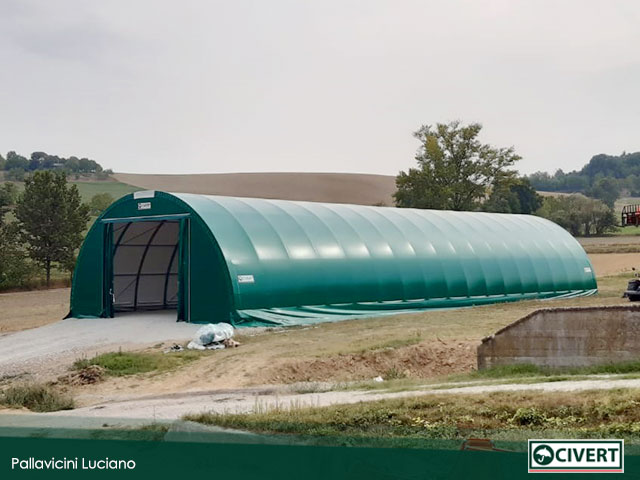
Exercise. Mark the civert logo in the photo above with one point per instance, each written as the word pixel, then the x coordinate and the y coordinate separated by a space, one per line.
pixel 543 454
pixel 584 456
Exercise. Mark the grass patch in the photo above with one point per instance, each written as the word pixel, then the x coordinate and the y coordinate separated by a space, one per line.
pixel 115 189
pixel 131 363
pixel 512 415
pixel 629 231
pixel 395 343
pixel 528 370
pixel 36 397
pixel 396 381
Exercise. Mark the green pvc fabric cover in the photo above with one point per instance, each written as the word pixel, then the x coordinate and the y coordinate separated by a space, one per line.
pixel 256 261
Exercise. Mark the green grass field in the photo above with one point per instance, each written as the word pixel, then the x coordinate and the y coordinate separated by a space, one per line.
pixel 627 231
pixel 115 189
pixel 89 189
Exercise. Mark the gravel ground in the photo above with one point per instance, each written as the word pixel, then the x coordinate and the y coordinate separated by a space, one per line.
pixel 48 350
pixel 174 406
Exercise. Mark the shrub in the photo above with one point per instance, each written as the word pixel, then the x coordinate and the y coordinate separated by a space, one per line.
pixel 578 214
pixel 36 397
pixel 528 416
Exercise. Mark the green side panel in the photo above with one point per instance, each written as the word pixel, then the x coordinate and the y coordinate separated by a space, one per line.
pixel 87 285
pixel 107 277
pixel 302 254
pixel 273 261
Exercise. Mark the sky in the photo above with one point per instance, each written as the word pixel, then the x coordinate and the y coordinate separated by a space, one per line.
pixel 316 86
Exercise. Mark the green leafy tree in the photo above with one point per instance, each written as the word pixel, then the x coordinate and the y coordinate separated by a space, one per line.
pixel 580 215
pixel 604 221
pixel 624 169
pixel 52 219
pixel 16 161
pixel 15 174
pixel 8 197
pixel 44 161
pixel 511 194
pixel 100 202
pixel 455 169
pixel 606 189
pixel 15 270
pixel 529 200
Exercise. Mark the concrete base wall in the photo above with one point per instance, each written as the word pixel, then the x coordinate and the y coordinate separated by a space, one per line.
pixel 565 337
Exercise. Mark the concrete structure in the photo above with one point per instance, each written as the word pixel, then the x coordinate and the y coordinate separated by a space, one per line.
pixel 564 337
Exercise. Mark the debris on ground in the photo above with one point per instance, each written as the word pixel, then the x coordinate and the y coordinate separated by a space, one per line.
pixel 231 343
pixel 174 348
pixel 378 379
pixel 86 376
pixel 213 336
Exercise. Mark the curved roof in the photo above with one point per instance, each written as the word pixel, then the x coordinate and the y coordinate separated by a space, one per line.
pixel 307 253
pixel 334 258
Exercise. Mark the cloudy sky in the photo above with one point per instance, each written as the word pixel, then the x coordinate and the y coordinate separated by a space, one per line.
pixel 239 86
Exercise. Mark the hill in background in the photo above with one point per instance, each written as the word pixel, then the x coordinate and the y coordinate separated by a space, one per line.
pixel 623 171
pixel 361 189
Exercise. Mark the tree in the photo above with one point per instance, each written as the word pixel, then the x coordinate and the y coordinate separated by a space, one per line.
pixel 8 197
pixel 52 219
pixel 605 189
pixel 511 194
pixel 72 164
pixel 578 214
pixel 16 161
pixel 454 169
pixel 15 174
pixel 603 220
pixel 619 168
pixel 530 201
pixel 35 163
pixel 14 269
pixel 44 161
pixel 100 202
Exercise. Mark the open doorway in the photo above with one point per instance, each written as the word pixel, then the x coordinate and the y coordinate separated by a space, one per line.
pixel 146 268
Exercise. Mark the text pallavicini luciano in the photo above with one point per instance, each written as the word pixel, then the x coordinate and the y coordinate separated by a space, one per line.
pixel 76 463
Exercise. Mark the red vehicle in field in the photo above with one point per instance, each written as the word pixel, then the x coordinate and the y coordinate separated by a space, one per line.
pixel 630 215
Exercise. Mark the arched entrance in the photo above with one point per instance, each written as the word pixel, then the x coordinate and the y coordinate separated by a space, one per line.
pixel 148 265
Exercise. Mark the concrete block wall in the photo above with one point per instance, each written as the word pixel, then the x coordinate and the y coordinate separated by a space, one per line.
pixel 566 337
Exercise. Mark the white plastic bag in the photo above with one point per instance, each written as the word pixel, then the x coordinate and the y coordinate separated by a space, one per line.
pixel 211 333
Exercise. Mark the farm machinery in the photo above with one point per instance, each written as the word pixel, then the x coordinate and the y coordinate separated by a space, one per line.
pixel 631 216
pixel 633 288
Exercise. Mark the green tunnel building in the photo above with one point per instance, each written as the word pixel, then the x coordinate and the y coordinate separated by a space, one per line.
pixel 254 261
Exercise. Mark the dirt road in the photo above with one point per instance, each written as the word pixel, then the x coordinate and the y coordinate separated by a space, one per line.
pixel 174 406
